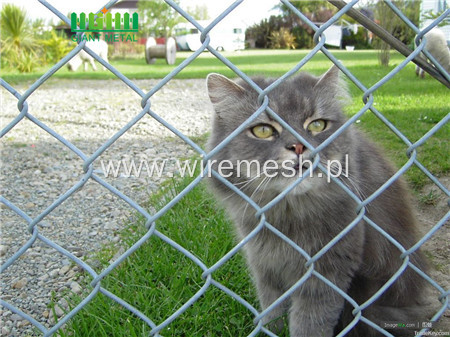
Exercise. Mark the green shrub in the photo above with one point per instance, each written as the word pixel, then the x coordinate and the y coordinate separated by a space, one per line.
pixel 24 62
pixel 260 33
pixel 55 47
pixel 282 39
pixel 303 37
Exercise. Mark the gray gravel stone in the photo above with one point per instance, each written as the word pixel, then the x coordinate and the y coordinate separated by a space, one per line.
pixel 3 249
pixel 37 169
pixel 19 284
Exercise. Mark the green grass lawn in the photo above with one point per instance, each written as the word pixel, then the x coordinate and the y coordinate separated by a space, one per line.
pixel 157 279
pixel 268 62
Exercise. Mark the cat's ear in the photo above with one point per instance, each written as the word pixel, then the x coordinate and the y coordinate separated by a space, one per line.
pixel 220 89
pixel 333 85
pixel 331 76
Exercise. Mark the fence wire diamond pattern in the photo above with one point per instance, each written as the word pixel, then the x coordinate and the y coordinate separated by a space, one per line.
pixel 89 173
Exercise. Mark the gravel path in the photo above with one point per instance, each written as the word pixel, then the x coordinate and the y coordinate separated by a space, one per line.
pixel 37 169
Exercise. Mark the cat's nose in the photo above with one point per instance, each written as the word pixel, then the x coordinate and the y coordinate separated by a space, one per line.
pixel 297 148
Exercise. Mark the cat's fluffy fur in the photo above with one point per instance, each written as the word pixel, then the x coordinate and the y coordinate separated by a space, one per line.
pixel 315 211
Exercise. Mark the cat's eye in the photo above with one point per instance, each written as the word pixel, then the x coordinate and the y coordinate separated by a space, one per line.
pixel 263 131
pixel 317 126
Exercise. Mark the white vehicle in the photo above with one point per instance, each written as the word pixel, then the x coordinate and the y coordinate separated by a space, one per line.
pixel 225 36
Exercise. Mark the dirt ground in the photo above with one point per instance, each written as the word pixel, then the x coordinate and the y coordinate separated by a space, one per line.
pixel 437 247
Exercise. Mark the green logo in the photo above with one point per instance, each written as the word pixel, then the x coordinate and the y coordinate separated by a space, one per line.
pixel 105 22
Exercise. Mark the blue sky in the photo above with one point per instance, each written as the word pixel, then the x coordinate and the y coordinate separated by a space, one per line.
pixel 250 11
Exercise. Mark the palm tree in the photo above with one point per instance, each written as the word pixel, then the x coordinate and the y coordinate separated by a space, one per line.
pixel 17 41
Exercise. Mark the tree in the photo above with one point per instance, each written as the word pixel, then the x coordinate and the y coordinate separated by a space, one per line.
pixel 308 7
pixel 395 26
pixel 16 30
pixel 199 12
pixel 431 15
pixel 157 18
pixel 316 11
pixel 19 46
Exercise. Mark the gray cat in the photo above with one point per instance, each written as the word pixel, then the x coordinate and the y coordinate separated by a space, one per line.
pixel 316 210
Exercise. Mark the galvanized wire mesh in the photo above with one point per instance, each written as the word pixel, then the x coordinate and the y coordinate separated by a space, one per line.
pixel 89 173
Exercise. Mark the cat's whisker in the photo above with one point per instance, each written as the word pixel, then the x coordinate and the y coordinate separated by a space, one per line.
pixel 245 184
pixel 264 189
pixel 352 185
pixel 357 186
pixel 259 186
pixel 350 178
pixel 251 197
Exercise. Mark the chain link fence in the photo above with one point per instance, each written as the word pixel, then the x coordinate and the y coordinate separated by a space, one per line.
pixel 89 173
